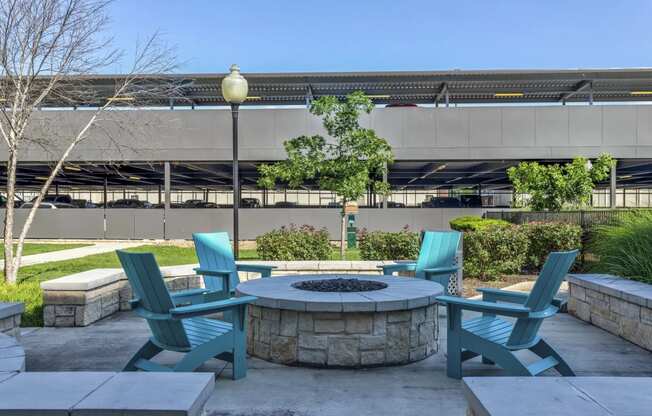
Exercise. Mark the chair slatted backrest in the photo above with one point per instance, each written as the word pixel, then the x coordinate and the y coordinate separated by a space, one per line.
pixel 545 288
pixel 438 249
pixel 214 253
pixel 149 287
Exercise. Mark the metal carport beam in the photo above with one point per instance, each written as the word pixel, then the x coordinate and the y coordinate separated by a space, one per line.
pixel 579 88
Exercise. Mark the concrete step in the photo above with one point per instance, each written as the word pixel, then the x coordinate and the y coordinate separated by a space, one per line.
pixel 543 396
pixel 104 393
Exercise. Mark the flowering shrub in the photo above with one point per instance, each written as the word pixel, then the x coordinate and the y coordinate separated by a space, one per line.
pixel 294 243
pixel 381 245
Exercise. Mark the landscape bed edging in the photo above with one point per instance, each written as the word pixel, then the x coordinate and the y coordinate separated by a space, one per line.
pixel 615 304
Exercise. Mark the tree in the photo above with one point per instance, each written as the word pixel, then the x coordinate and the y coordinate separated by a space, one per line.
pixel 49 50
pixel 551 187
pixel 355 161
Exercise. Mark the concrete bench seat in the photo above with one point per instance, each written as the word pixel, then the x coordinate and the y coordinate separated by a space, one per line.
pixel 544 396
pixel 104 393
pixel 12 355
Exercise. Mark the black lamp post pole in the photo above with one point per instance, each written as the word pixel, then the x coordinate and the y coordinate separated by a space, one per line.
pixel 236 181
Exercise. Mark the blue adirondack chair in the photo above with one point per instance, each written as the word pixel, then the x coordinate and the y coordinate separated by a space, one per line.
pixel 495 339
pixel 217 264
pixel 182 328
pixel 436 259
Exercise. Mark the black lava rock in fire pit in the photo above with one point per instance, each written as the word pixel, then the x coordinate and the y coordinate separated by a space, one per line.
pixel 339 285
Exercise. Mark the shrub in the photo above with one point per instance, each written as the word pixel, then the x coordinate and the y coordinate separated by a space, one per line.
pixel 380 245
pixel 31 295
pixel 294 243
pixel 625 249
pixel 472 223
pixel 492 251
pixel 549 236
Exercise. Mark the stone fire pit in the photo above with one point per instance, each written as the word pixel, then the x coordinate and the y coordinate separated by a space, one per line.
pixel 365 325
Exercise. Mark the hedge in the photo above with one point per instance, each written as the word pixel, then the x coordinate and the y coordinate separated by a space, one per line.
pixel 545 237
pixel 473 223
pixel 381 245
pixel 493 251
pixel 494 247
pixel 294 243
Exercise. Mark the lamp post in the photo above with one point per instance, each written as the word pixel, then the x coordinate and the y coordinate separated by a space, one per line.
pixel 234 91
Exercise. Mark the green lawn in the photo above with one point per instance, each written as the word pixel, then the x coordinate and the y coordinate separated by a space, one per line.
pixel 165 256
pixel 37 248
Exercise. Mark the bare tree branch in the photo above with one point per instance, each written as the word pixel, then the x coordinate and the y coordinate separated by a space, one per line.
pixel 49 51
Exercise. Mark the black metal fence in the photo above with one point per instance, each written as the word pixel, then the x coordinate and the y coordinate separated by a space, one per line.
pixel 586 219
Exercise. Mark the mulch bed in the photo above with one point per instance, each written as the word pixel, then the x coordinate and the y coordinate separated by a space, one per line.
pixel 470 284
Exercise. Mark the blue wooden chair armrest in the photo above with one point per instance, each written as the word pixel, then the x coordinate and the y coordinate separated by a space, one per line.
pixel 213 272
pixel 265 271
pixel 189 296
pixel 441 270
pixel 490 294
pixel 184 312
pixel 503 309
pixel 397 267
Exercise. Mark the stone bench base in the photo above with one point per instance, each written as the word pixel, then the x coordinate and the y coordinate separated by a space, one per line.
pixel 94 393
pixel 10 318
pixel 544 396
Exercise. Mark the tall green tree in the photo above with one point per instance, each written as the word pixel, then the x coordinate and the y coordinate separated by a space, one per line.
pixel 551 187
pixel 354 160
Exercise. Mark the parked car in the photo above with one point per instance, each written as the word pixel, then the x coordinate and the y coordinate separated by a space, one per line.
pixel 18 202
pixel 285 204
pixel 250 203
pixel 55 199
pixel 198 203
pixel 128 203
pixel 471 201
pixel 48 205
pixel 83 203
pixel 441 202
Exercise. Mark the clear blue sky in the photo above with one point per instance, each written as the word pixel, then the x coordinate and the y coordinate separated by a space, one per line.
pixel 371 35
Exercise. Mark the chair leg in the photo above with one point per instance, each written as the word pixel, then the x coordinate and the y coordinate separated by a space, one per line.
pixel 506 360
pixel 239 363
pixel 147 351
pixel 453 344
pixel 486 360
pixel 543 350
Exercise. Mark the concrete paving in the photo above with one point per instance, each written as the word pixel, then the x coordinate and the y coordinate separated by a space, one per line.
pixel 74 253
pixel 276 390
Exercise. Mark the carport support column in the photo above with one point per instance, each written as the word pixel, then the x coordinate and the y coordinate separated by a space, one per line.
pixel 612 186
pixel 166 190
pixel 166 184
pixel 385 181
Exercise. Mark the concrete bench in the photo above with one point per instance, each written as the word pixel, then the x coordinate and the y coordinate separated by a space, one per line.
pixel 12 355
pixel 10 318
pixel 104 393
pixel 544 396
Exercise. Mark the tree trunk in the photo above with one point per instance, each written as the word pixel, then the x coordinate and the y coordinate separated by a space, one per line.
pixel 343 233
pixel 9 269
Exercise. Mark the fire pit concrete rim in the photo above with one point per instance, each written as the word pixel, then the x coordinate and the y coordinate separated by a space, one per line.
pixel 401 293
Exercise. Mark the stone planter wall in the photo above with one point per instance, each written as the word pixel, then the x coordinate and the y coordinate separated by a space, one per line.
pixel 620 306
pixel 331 339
